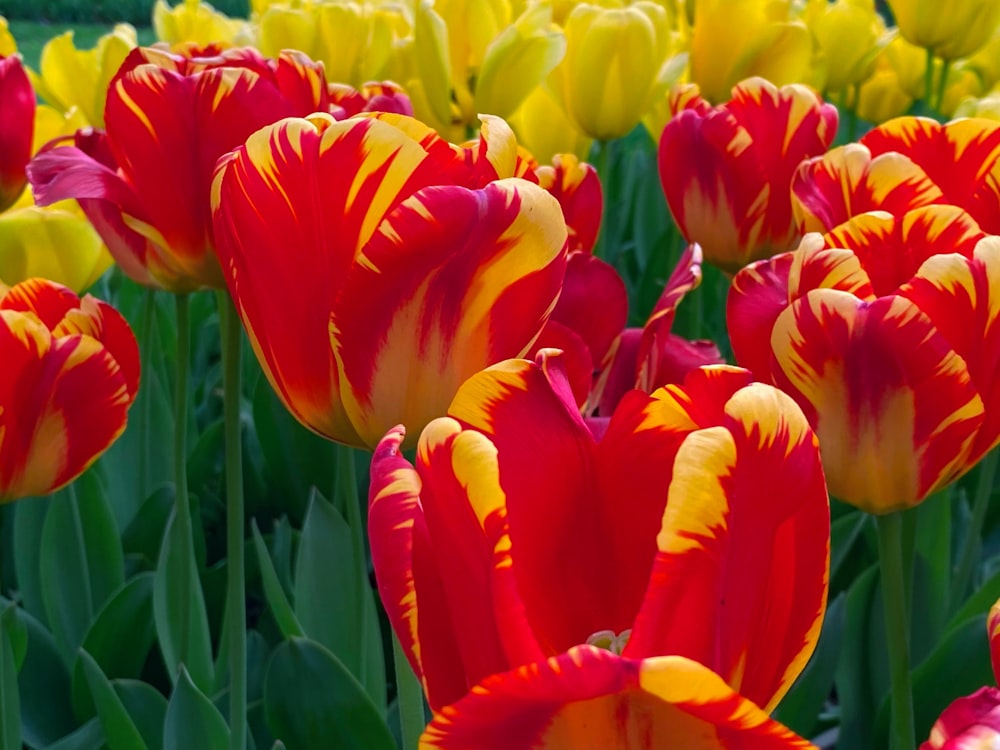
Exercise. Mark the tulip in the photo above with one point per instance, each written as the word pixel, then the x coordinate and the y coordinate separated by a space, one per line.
pixel 16 128
pixel 612 59
pixel 949 30
pixel 545 129
pixel 198 23
pixel 650 357
pixel 577 187
pixel 737 39
pixel 882 96
pixel 636 593
pixel 882 331
pixel 850 35
pixel 403 264
pixel 726 171
pixel 146 188
pixel 71 77
pixel 961 157
pixel 71 372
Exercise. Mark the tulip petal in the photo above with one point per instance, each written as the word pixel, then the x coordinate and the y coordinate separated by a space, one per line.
pixel 961 296
pixel 740 578
pixel 575 355
pixel 993 631
pixel 577 187
pixel 62 403
pixel 756 298
pixel 470 278
pixel 617 376
pixel 828 190
pixel 962 157
pixel 16 128
pixel 587 699
pixel 859 370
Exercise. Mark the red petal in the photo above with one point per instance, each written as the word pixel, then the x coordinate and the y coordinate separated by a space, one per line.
pixel 593 302
pixel 577 187
pixel 17 127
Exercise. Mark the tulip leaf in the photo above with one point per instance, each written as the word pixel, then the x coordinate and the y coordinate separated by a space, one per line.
pixel 29 520
pixel 853 678
pixel 10 699
pixel 327 596
pixel 81 562
pixel 275 594
pixel 144 534
pixel 181 625
pixel 146 707
pixel 119 729
pixel 932 573
pixel 17 631
pixel 311 701
pixel 129 611
pixel 192 720
pixel 43 682
pixel 800 708
pixel 90 736
pixel 978 603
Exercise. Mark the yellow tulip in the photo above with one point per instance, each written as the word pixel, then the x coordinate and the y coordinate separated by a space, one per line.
pixel 736 39
pixel 430 51
pixel 7 44
pixel 882 97
pixel 963 82
pixel 517 61
pixel 612 58
pixel 69 77
pixel 850 35
pixel 987 107
pixel 195 22
pixel 950 30
pixel 659 112
pixel 543 127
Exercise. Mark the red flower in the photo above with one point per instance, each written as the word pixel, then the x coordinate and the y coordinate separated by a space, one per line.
pixel 17 126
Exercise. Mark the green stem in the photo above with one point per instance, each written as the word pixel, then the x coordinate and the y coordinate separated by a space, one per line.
pixel 148 316
pixel 942 86
pixel 346 492
pixel 410 697
pixel 929 80
pixel 602 164
pixel 970 548
pixel 182 506
pixel 851 96
pixel 897 629
pixel 236 583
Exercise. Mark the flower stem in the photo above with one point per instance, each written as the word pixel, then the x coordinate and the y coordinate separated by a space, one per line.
pixel 148 318
pixel 236 586
pixel 182 506
pixel 970 548
pixel 929 80
pixel 897 629
pixel 602 163
pixel 942 87
pixel 410 696
pixel 346 492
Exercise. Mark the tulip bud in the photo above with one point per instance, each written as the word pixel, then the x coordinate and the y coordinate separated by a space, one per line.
pixel 17 124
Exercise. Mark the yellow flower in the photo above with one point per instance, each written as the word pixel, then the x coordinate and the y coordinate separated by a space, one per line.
pixel 195 22
pixel 736 39
pixel 69 77
pixel 882 97
pixel 7 44
pixel 544 128
pixel 850 35
pixel 612 59
pixel 952 29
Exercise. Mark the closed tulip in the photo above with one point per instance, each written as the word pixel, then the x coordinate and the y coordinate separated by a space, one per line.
pixel 949 30
pixel 636 593
pixel 726 171
pixel 16 128
pixel 402 263
pixel 850 35
pixel 883 331
pixel 197 23
pixel 71 372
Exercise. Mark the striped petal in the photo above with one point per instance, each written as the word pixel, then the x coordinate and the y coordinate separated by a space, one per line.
pixel 993 631
pixel 962 157
pixel 289 222
pixel 62 403
pixel 891 248
pixel 575 356
pixel 828 190
pixel 740 577
pixel 588 698
pixel 961 296
pixel 577 187
pixel 166 132
pixel 893 403
pixel 969 723
pixel 470 277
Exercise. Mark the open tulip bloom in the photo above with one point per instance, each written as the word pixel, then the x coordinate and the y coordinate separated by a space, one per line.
pixel 662 585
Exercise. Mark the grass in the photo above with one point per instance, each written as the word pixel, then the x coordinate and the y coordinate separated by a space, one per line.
pixel 31 36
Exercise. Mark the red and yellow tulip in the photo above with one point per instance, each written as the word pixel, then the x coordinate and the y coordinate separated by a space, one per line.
pixel 16 128
pixel 637 592
pixel 71 372
pixel 402 264
pixel 145 183
pixel 726 170
pixel 882 331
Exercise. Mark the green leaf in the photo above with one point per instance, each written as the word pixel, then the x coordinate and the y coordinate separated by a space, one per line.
pixel 853 676
pixel 192 720
pixel 129 611
pixel 802 705
pixel 147 708
pixel 932 573
pixel 88 737
pixel 10 704
pixel 312 701
pixel 326 596
pixel 181 625
pixel 43 682
pixel 17 631
pixel 275 595
pixel 143 536
pixel 119 729
pixel 977 604
pixel 29 519
pixel 81 561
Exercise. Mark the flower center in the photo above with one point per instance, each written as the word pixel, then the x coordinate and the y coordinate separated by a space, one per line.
pixel 609 641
